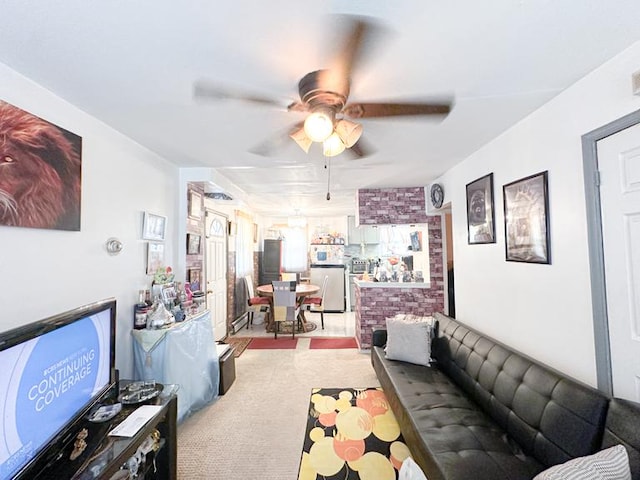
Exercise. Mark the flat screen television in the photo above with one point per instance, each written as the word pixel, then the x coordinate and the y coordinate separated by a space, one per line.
pixel 52 373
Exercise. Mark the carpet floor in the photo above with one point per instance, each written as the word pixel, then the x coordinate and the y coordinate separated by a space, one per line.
pixel 345 342
pixel 256 430
pixel 351 434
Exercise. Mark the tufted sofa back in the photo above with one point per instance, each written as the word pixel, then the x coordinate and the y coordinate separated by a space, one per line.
pixel 551 417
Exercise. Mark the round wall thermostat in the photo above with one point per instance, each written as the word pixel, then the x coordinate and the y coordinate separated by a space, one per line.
pixel 437 195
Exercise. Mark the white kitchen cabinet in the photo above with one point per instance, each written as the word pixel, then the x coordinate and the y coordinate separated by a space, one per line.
pixel 368 234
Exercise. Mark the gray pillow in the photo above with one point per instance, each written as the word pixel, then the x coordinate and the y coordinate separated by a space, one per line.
pixel 609 464
pixel 409 339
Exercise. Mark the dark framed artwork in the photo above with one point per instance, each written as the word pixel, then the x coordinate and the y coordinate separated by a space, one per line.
pixel 195 278
pixel 193 244
pixel 526 220
pixel 41 164
pixel 481 226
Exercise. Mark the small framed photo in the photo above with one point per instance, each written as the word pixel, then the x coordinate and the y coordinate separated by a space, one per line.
pixel 526 220
pixel 155 257
pixel 195 278
pixel 193 244
pixel 195 205
pixel 481 227
pixel 153 227
pixel 169 293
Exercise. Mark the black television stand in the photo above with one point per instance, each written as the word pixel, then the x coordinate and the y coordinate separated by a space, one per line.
pixel 104 456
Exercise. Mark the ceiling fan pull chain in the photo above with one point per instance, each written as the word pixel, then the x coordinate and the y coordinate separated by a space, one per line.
pixel 327 165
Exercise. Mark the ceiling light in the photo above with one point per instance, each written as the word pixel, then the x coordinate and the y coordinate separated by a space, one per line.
pixel 301 138
pixel 349 132
pixel 297 221
pixel 332 146
pixel 319 124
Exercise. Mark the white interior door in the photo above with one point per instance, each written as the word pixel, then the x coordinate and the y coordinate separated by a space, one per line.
pixel 216 272
pixel 619 165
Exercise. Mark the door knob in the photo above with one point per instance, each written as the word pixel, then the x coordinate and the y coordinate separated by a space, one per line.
pixel 209 291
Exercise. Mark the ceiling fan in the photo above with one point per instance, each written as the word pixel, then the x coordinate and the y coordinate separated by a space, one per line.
pixel 324 96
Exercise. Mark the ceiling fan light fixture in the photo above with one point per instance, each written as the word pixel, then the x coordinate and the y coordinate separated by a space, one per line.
pixel 319 124
pixel 349 132
pixel 300 137
pixel 332 146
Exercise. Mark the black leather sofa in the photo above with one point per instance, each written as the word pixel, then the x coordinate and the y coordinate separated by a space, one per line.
pixel 485 412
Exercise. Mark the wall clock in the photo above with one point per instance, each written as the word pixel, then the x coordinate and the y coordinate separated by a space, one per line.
pixel 437 195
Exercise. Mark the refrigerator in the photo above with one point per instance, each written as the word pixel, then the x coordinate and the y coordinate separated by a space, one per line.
pixel 334 297
pixel 271 264
pixel 321 254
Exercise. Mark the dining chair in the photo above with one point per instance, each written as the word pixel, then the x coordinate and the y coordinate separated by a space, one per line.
pixel 289 277
pixel 285 305
pixel 316 304
pixel 256 304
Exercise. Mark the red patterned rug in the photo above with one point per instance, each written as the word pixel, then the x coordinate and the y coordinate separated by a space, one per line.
pixel 265 343
pixel 351 434
pixel 337 342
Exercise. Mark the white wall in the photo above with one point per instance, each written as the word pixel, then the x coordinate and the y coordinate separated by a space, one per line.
pixel 44 272
pixel 541 310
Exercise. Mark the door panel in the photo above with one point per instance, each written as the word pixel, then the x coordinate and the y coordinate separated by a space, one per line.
pixel 216 272
pixel 619 165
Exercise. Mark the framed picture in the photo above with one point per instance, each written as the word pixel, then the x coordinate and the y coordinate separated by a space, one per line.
pixel 169 294
pixel 193 244
pixel 195 278
pixel 195 204
pixel 481 227
pixel 44 188
pixel 526 220
pixel 155 257
pixel 153 227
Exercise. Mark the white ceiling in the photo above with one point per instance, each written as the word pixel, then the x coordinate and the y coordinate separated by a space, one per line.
pixel 132 64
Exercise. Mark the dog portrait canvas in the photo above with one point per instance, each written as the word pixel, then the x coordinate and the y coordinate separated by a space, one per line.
pixel 40 172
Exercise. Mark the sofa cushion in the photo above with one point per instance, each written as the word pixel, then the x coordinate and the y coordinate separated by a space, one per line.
pixel 449 436
pixel 609 464
pixel 409 339
pixel 621 428
pixel 550 416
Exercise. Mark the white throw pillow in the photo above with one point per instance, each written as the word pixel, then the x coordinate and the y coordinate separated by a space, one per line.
pixel 411 471
pixel 409 339
pixel 609 464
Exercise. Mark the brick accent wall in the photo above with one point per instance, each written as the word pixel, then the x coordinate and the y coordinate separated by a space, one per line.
pixel 375 304
pixel 231 289
pixel 397 206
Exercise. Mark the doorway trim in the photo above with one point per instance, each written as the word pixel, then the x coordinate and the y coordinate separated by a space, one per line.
pixel 596 249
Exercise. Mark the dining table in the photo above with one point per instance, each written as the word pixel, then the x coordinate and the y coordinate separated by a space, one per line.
pixel 303 290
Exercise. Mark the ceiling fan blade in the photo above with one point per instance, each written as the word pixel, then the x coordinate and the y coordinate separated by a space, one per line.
pixel 337 76
pixel 374 110
pixel 270 147
pixel 361 149
pixel 206 90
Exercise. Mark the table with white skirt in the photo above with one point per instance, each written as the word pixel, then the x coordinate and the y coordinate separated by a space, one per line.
pixel 183 354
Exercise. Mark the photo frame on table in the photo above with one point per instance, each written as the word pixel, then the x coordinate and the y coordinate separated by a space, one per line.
pixel 195 204
pixel 195 278
pixel 526 219
pixel 153 227
pixel 193 244
pixel 481 225
pixel 155 257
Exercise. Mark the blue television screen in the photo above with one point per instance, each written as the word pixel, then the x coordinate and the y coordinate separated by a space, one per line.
pixel 52 372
